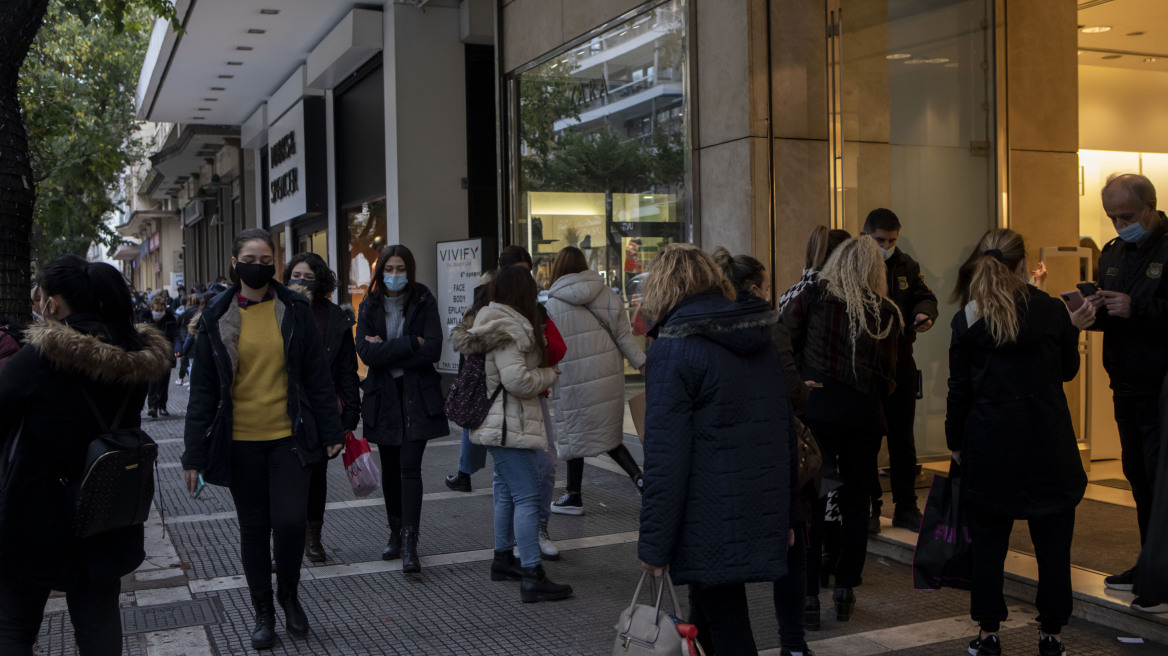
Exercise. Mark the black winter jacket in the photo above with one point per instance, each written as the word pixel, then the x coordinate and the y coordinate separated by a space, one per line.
pixel 1007 412
pixel 342 360
pixel 1135 349
pixel 312 403
pixel 911 294
pixel 168 326
pixel 424 416
pixel 719 446
pixel 41 385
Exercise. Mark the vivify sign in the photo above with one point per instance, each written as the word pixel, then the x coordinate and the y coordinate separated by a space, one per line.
pixel 459 266
pixel 296 163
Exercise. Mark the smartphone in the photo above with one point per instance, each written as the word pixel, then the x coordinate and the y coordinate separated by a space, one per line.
pixel 1074 300
pixel 198 487
pixel 1087 288
pixel 919 322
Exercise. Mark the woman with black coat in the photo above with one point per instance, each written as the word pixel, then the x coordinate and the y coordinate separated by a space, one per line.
pixel 262 412
pixel 719 445
pixel 88 346
pixel 163 319
pixel 399 337
pixel 308 274
pixel 1010 429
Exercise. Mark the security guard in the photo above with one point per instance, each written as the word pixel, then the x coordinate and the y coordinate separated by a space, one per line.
pixel 1132 312
pixel 918 307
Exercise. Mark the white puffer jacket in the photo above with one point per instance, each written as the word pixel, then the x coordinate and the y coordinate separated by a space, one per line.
pixel 507 339
pixel 589 399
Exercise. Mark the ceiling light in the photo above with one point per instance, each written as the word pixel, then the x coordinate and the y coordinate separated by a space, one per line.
pixel 898 55
pixel 244 48
pixel 198 118
pixel 1099 29
pixel 1112 56
pixel 235 63
pixel 256 30
pixel 226 77
pixel 937 60
pixel 916 61
pixel 269 12
pixel 1080 52
pixel 204 109
pixel 1135 34
pixel 210 100
pixel 1150 60
pixel 218 88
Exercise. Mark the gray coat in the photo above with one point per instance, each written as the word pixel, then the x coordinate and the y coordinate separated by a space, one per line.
pixel 589 398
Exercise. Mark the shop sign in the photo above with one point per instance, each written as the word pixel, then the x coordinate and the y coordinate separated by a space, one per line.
pixel 155 241
pixel 459 265
pixel 296 162
pixel 177 280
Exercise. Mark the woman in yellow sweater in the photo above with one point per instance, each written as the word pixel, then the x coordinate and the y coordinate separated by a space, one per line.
pixel 262 411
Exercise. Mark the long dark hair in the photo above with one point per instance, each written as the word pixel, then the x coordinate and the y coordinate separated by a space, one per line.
pixel 377 285
pixel 325 283
pixel 514 287
pixel 95 288
pixel 568 261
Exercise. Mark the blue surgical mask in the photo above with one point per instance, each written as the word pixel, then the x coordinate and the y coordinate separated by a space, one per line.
pixel 887 253
pixel 395 282
pixel 1132 232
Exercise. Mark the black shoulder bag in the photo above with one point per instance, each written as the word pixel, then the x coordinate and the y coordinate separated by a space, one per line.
pixel 116 485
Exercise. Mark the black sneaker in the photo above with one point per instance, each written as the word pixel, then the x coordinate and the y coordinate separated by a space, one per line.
pixel 908 518
pixel 1149 605
pixel 987 646
pixel 569 504
pixel 1123 581
pixel 1050 646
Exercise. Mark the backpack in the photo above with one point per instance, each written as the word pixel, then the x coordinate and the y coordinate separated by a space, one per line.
pixel 467 404
pixel 116 485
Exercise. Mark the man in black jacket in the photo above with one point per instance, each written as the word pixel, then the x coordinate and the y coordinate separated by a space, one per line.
pixel 1132 312
pixel 918 306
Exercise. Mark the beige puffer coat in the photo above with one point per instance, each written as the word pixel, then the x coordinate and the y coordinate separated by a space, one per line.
pixel 589 398
pixel 513 358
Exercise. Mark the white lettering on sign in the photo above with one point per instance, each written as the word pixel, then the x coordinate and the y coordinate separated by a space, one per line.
pixel 459 265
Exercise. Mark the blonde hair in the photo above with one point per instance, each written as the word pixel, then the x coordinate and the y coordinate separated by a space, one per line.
pixel 989 277
pixel 678 271
pixel 855 274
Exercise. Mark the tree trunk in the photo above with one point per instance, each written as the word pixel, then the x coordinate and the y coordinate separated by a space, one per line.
pixel 19 22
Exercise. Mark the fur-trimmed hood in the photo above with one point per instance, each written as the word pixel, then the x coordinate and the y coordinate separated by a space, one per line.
pixel 740 327
pixel 494 326
pixel 72 350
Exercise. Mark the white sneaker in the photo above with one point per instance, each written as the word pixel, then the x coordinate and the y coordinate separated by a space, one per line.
pixel 547 548
pixel 187 384
pixel 178 382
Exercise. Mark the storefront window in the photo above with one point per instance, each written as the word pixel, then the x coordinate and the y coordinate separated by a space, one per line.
pixel 601 150
pixel 366 224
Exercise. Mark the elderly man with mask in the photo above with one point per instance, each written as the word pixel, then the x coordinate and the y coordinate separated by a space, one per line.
pixel 1132 312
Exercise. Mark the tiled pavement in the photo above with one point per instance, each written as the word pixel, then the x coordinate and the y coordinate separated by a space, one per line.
pixel 359 605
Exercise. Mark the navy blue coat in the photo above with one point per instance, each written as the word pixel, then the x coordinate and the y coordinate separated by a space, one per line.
pixel 423 416
pixel 719 445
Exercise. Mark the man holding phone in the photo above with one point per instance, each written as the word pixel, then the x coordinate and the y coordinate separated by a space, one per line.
pixel 1132 311
pixel 918 305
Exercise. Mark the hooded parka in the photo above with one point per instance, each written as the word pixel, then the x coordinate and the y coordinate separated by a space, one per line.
pixel 42 386
pixel 589 398
pixel 1007 412
pixel 312 403
pixel 425 416
pixel 513 359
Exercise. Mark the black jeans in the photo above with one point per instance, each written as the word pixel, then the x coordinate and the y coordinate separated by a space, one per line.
pixel 270 489
pixel 401 480
pixel 854 451
pixel 1138 420
pixel 900 411
pixel 722 618
pixel 990 536
pixel 158 393
pixel 317 491
pixel 93 610
pixel 620 455
pixel 789 593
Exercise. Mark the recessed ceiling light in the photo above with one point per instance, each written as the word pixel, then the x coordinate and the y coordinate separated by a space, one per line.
pixel 269 12
pixel 1135 34
pixel 235 63
pixel 226 77
pixel 1112 56
pixel 210 100
pixel 917 61
pixel 1098 29
pixel 244 48
pixel 1080 52
pixel 1150 60
pixel 203 109
pixel 218 88
pixel 198 118
pixel 898 55
pixel 937 60
pixel 256 30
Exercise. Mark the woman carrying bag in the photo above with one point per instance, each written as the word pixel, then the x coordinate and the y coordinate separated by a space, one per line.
pixel 1010 429
pixel 262 412
pixel 399 337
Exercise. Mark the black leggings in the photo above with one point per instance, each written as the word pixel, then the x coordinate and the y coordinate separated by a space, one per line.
pixel 317 491
pixel 159 392
pixel 270 489
pixel 401 480
pixel 620 454
pixel 722 617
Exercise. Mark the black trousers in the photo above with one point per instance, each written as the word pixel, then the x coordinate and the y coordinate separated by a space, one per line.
pixel 990 536
pixel 401 480
pixel 158 393
pixel 317 491
pixel 93 610
pixel 854 451
pixel 722 618
pixel 900 411
pixel 270 489
pixel 620 455
pixel 1138 420
pixel 790 591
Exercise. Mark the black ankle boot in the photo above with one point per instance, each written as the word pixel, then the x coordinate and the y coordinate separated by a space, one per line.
pixel 459 482
pixel 393 547
pixel 845 602
pixel 811 613
pixel 536 585
pixel 409 550
pixel 294 618
pixel 505 567
pixel 263 636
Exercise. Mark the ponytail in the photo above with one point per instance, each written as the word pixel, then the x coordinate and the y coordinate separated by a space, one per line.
pixel 94 288
pixel 988 277
pixel 743 271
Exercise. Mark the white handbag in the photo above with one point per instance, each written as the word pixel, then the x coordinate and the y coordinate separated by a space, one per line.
pixel 645 630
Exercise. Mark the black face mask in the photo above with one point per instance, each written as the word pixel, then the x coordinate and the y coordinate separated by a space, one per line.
pixel 254 274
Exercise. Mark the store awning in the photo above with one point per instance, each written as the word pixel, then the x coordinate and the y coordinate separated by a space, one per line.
pixel 138 220
pixel 127 252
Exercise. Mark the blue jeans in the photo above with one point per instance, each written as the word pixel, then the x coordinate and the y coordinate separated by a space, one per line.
pixel 517 495
pixel 471 457
pixel 547 463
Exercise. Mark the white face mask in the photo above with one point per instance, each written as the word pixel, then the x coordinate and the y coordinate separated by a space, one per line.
pixel 887 253
pixel 157 315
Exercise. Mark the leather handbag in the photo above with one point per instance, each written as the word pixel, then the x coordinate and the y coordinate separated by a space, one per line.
pixel 645 630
